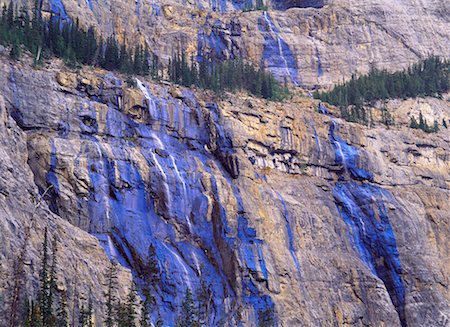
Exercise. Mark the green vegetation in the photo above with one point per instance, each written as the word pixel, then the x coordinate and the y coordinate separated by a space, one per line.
pixel 48 307
pixel 259 6
pixel 228 75
pixel 423 125
pixel 67 40
pixel 429 77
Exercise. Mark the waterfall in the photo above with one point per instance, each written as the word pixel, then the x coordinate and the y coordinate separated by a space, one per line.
pixel 278 39
pixel 151 103
pixel 185 194
pixel 361 206
pixel 185 278
pixel 89 4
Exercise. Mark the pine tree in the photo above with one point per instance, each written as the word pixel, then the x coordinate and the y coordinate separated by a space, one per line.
pixel 110 295
pixel 52 286
pixel 34 316
pixel 130 308
pixel 44 291
pixel 266 318
pixel 444 123
pixel 15 50
pixel 85 314
pixel 204 298
pixel 435 127
pixel 144 320
pixel 422 122
pixel 413 123
pixel 187 316
pixel 62 316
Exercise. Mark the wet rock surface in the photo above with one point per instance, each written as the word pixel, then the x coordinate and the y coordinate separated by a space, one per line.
pixel 278 207
pixel 321 42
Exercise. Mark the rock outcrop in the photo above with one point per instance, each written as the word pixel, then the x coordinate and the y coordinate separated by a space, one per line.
pixel 281 210
pixel 312 43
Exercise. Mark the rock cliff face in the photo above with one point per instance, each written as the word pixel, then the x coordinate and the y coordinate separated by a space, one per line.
pixel 282 210
pixel 311 43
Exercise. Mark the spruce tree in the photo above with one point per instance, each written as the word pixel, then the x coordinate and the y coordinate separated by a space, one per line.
pixel 130 307
pixel 62 316
pixel 44 280
pixel 435 127
pixel 187 316
pixel 34 316
pixel 204 298
pixel 15 49
pixel 444 123
pixel 413 123
pixel 110 295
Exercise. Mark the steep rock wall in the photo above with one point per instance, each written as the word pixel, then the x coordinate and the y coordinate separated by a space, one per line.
pixel 321 46
pixel 278 207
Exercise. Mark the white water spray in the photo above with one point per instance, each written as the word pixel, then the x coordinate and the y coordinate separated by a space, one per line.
pixel 182 264
pixel 280 47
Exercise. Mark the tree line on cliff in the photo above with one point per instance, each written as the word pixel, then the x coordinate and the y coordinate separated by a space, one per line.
pixel 49 305
pixel 429 77
pixel 60 37
pixel 227 75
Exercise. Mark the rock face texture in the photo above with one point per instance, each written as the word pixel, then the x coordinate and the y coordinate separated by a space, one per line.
pixel 24 216
pixel 281 210
pixel 288 215
pixel 311 43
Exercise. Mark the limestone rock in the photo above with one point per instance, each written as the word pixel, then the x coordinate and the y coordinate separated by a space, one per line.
pixel 252 196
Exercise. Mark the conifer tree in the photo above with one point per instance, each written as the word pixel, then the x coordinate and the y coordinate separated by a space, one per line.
pixel 444 123
pixel 204 298
pixel 62 316
pixel 435 127
pixel 187 316
pixel 110 295
pixel 44 280
pixel 130 308
pixel 413 123
pixel 34 316
pixel 85 314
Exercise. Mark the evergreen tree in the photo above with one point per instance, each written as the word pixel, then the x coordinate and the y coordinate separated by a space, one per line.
pixel 85 314
pixel 204 298
pixel 44 280
pixel 187 316
pixel 435 127
pixel 144 320
pixel 266 318
pixel 49 318
pixel 130 307
pixel 413 123
pixel 110 295
pixel 34 316
pixel 444 123
pixel 62 315
pixel 429 77
pixel 15 50
pixel 422 122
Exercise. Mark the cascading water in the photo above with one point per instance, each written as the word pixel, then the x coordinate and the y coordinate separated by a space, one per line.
pixel 89 4
pixel 361 206
pixel 279 57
